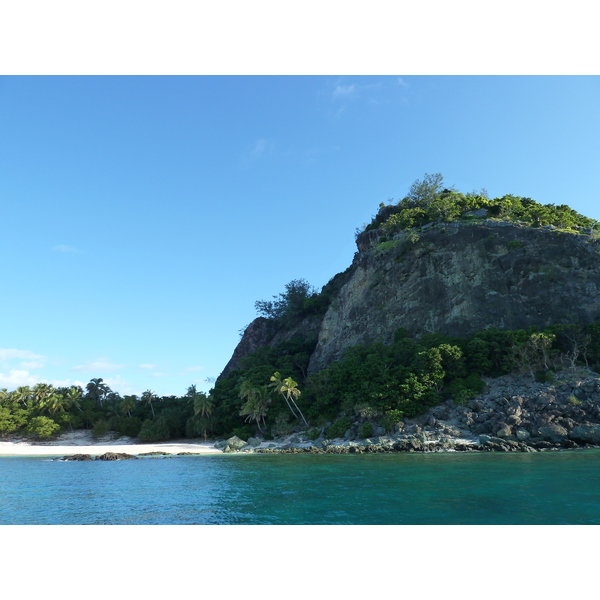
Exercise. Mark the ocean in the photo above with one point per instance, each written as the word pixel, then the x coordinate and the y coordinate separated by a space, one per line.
pixel 545 488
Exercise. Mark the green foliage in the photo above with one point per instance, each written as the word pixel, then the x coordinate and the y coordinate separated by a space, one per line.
pixel 366 430
pixel 314 433
pixel 243 432
pixel 427 201
pixel 391 418
pixel 384 247
pixel 463 389
pixel 339 428
pixel 573 401
pixel 100 428
pixel 42 427
pixel 514 245
pixel 7 422
pixel 130 426
pixel 423 193
pixel 196 427
pixel 154 430
pixel 291 305
pixel 542 376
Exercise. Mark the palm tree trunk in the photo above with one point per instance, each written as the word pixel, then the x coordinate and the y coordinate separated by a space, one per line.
pixel 300 412
pixel 290 406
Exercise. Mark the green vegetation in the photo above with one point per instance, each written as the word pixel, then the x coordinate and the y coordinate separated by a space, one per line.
pixel 301 300
pixel 378 383
pixel 42 411
pixel 428 201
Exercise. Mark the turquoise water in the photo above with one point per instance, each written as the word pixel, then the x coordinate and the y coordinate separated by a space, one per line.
pixel 418 489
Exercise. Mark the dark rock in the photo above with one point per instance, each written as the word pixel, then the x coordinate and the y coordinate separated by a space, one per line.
pixel 553 432
pixel 586 433
pixel 78 457
pixel 115 456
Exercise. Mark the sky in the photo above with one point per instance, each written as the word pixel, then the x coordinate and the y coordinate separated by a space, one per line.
pixel 143 216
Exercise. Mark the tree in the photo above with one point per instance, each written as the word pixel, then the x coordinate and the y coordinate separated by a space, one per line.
pixel 423 193
pixel 128 404
pixel 148 397
pixel 97 390
pixel 43 427
pixel 41 391
pixel 73 396
pixel 288 388
pixel 257 401
pixel 290 304
pixel 23 394
pixel 55 403
pixel 535 352
pixel 202 404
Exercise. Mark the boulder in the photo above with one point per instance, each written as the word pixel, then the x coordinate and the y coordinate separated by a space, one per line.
pixel 553 432
pixel 78 457
pixel 235 443
pixel 254 442
pixel 586 433
pixel 115 456
pixel 503 430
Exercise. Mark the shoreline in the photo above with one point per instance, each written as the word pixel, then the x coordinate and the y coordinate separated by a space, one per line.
pixel 82 442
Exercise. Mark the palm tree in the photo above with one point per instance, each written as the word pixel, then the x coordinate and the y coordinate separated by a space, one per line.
pixel 149 396
pixel 258 399
pixel 97 390
pixel 55 403
pixel 288 388
pixel 73 396
pixel 203 404
pixel 22 394
pixel 41 391
pixel 128 404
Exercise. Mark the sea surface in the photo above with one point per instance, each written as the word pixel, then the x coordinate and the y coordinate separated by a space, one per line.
pixel 546 488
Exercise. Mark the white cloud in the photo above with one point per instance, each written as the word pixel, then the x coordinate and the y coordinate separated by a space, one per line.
pixel 64 382
pixel 343 91
pixel 97 366
pixel 118 384
pixel 402 82
pixel 65 248
pixel 16 378
pixel 147 366
pixel 7 354
pixel 31 364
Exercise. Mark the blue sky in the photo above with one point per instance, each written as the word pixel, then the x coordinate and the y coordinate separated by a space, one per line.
pixel 143 216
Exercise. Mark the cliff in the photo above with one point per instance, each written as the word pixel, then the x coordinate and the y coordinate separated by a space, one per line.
pixel 454 278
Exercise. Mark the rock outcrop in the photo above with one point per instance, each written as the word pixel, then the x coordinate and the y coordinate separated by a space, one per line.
pixel 454 278
pixel 459 278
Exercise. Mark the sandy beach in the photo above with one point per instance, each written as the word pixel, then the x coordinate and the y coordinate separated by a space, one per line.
pixel 82 442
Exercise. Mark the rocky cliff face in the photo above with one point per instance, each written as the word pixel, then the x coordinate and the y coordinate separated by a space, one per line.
pixel 261 333
pixel 455 278
pixel 458 278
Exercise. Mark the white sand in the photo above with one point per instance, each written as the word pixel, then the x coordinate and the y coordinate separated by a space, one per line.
pixel 82 442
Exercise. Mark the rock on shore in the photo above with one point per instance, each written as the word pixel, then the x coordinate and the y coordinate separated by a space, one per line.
pixel 514 414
